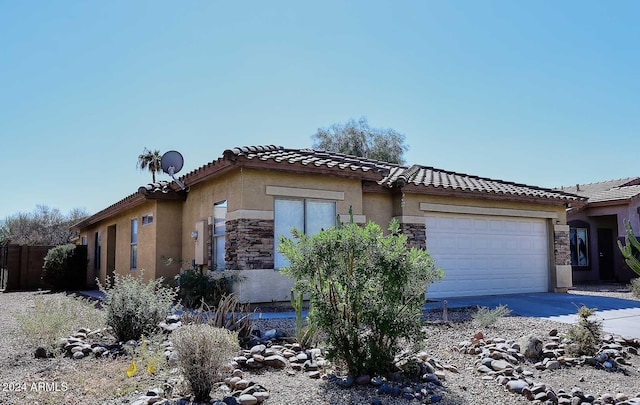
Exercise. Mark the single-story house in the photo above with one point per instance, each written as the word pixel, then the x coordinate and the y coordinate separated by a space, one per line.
pixel 489 236
pixel 597 225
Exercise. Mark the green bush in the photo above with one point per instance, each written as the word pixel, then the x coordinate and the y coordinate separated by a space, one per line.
pixel 57 316
pixel 586 335
pixel 486 317
pixel 134 307
pixel 64 267
pixel 196 287
pixel 366 291
pixel 203 352
pixel 635 287
pixel 630 249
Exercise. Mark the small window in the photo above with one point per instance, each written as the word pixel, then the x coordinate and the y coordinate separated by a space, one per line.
pixel 147 219
pixel 83 240
pixel 579 246
pixel 134 243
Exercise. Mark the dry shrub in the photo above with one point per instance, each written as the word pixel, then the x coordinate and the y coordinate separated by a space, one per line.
pixel 485 316
pixel 56 316
pixel 203 352
pixel 230 314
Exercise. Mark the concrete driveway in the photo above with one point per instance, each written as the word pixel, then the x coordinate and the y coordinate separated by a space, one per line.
pixel 619 316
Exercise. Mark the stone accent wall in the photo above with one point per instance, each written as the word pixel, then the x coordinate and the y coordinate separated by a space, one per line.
pixel 416 235
pixel 249 244
pixel 561 247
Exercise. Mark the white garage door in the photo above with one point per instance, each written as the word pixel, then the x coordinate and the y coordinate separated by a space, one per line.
pixel 488 255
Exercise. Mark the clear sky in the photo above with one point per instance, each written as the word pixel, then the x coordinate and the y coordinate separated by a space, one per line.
pixel 538 92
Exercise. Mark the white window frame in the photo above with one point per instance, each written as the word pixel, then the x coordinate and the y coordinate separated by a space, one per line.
pixel 218 237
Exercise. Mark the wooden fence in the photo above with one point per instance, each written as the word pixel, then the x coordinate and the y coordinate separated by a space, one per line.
pixel 21 266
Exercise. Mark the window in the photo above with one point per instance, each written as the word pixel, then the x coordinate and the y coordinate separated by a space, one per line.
pixel 579 246
pixel 219 231
pixel 310 216
pixel 147 219
pixel 134 243
pixel 97 249
pixel 83 240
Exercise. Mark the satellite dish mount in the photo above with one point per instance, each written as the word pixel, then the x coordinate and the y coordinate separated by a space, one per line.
pixel 171 163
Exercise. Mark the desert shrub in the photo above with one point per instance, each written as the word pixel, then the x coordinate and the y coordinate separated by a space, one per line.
pixel 55 316
pixel 366 291
pixel 305 334
pixel 586 335
pixel 484 316
pixel 630 249
pixel 635 287
pixel 196 287
pixel 203 352
pixel 64 267
pixel 134 307
pixel 230 314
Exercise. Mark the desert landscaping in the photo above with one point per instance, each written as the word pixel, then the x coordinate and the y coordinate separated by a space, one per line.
pixel 459 363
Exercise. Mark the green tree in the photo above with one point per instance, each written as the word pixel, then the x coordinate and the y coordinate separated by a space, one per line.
pixel 150 160
pixel 358 139
pixel 366 291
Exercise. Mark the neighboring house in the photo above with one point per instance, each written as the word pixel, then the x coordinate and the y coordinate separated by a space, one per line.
pixel 597 225
pixel 489 236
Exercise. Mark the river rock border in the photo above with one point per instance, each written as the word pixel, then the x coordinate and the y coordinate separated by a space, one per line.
pixel 506 362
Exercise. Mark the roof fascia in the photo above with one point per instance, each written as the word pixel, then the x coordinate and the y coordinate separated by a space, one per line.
pixel 129 202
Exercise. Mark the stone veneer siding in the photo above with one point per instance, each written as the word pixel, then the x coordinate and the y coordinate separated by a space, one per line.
pixel 416 235
pixel 249 244
pixel 561 247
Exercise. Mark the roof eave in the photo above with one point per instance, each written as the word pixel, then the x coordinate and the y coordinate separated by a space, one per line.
pixel 451 192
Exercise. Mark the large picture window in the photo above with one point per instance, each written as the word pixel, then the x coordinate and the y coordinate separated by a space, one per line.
pixel 219 232
pixel 579 246
pixel 310 216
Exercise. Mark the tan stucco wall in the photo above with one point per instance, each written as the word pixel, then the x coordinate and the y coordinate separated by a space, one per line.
pixel 254 184
pixel 199 207
pixel 412 205
pixel 168 223
pixel 378 207
pixel 146 245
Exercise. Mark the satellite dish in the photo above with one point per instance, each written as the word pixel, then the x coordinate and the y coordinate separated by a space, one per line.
pixel 171 163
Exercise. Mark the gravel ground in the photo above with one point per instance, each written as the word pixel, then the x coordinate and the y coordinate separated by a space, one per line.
pixel 17 365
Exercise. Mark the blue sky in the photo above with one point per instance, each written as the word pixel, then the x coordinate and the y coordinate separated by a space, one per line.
pixel 538 92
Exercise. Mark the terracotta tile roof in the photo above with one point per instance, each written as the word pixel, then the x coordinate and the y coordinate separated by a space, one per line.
pixel 599 189
pixel 437 178
pixel 308 157
pixel 393 174
pixel 388 175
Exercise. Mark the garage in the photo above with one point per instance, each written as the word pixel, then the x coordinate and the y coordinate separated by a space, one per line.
pixel 488 255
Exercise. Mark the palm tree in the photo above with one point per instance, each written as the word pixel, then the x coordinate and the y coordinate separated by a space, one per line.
pixel 150 160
